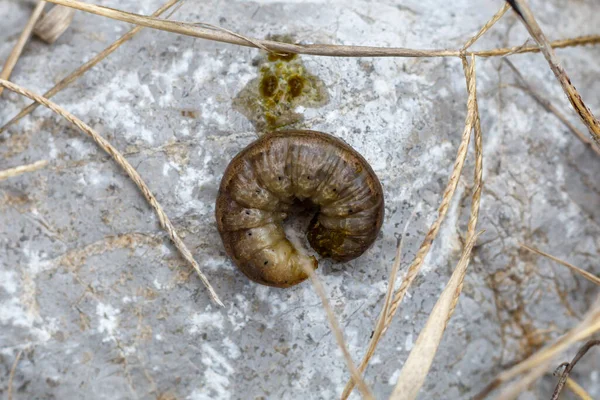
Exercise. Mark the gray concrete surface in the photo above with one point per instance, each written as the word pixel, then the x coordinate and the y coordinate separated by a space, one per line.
pixel 93 291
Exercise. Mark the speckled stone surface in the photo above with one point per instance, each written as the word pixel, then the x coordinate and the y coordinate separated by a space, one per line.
pixel 104 307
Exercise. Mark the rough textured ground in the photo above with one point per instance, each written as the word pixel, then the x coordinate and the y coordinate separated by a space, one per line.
pixel 105 308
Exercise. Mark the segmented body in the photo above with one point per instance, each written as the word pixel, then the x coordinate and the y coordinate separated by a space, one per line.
pixel 264 181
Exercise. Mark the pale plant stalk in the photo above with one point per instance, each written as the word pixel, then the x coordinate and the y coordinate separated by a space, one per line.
pixel 442 211
pixel 473 120
pixel 11 375
pixel 221 35
pixel 520 386
pixel 23 38
pixel 542 358
pixel 578 390
pixel 12 172
pixel 339 335
pixel 416 367
pixel 129 170
pixel 73 76
pixel 387 301
pixel 417 263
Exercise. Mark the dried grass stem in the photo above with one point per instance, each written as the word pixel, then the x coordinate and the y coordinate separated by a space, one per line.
pixel 73 76
pixel 129 170
pixel 16 51
pixel 11 172
pixel 221 35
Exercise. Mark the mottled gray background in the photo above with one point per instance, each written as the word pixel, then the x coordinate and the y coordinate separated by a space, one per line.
pixel 106 309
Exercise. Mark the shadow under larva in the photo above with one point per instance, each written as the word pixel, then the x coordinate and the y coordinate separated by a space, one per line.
pixel 269 178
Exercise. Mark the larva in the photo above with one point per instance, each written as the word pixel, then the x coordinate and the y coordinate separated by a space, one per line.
pixel 264 181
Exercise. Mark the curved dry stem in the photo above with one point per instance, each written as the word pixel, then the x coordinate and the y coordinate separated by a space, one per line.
pixel 590 277
pixel 524 12
pixel 73 76
pixel 11 376
pixel 387 301
pixel 487 26
pixel 339 336
pixel 223 36
pixel 16 51
pixel 569 367
pixel 550 108
pixel 129 170
pixel 11 172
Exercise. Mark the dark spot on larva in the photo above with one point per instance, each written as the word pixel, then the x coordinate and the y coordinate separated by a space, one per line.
pixel 350 211
pixel 280 178
pixel 249 233
pixel 308 177
pixel 334 189
pixel 266 262
pixel 295 85
pixel 247 212
pixel 268 85
pixel 257 191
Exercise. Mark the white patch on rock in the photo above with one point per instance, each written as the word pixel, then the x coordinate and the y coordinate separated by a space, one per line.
pixel 232 349
pixel 216 376
pixel 108 320
pixel 408 342
pixel 239 313
pixel 91 175
pixel 118 112
pixel 157 284
pixel 394 377
pixel 8 281
pixel 83 147
pixel 201 322
pixel 191 179
pixel 21 310
pixel 208 69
